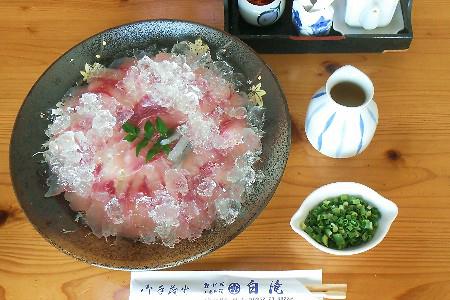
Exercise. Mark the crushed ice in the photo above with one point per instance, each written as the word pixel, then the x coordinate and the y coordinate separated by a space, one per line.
pixel 168 199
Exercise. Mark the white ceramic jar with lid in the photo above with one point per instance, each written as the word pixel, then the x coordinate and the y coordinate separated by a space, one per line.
pixel 369 14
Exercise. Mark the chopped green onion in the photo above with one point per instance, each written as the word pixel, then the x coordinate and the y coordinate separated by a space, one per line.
pixel 325 240
pixel 342 222
pixel 339 240
pixel 368 224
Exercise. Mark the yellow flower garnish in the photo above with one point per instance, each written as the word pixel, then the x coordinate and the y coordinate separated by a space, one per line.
pixel 256 94
pixel 91 71
pixel 198 47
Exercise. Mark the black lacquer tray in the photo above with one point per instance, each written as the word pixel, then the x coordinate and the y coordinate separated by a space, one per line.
pixel 282 37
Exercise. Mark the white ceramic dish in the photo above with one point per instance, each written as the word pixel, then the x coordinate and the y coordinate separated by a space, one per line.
pixel 397 24
pixel 387 208
pixel 261 15
pixel 370 14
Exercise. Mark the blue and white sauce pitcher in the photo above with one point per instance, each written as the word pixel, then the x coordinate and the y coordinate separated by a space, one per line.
pixel 311 19
pixel 337 129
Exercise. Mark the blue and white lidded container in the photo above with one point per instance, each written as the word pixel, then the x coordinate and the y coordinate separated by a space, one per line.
pixel 311 22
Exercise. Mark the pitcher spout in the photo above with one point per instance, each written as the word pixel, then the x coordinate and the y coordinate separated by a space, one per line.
pixel 350 74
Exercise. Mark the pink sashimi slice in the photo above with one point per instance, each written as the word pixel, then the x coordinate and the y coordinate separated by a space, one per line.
pixel 162 56
pixel 238 100
pixel 145 110
pixel 77 202
pixel 251 142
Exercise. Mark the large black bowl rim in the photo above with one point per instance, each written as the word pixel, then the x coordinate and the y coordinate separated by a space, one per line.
pixel 181 261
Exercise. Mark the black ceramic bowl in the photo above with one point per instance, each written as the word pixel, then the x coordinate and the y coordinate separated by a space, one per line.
pixel 53 218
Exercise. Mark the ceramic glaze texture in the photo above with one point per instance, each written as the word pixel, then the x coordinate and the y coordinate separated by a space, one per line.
pixel 261 15
pixel 369 14
pixel 340 131
pixel 315 23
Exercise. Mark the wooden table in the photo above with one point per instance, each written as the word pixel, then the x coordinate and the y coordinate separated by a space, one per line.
pixel 408 160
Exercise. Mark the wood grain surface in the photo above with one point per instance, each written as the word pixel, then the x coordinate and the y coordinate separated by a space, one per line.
pixel 408 160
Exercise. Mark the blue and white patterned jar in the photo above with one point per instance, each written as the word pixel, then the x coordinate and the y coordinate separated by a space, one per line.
pixel 261 15
pixel 340 131
pixel 313 23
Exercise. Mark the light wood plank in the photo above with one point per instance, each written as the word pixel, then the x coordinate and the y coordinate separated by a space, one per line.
pixel 408 160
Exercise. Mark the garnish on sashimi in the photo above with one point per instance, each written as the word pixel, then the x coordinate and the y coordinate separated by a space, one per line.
pixel 156 148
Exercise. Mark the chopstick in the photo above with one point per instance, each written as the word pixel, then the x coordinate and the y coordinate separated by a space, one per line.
pixel 328 291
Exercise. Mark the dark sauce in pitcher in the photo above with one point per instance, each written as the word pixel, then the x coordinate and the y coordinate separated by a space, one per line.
pixel 348 94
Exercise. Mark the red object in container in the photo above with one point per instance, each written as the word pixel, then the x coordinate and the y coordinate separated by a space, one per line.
pixel 260 2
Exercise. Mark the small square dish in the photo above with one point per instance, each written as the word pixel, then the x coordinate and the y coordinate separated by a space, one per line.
pixel 397 24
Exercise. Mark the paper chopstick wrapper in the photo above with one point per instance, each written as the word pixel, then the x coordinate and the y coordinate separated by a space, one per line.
pixel 224 285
